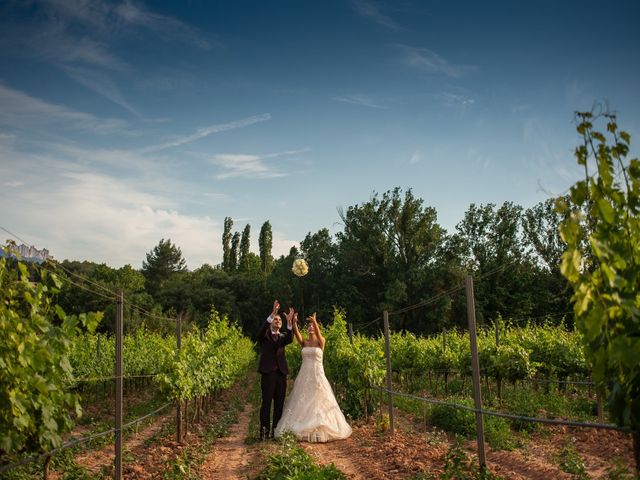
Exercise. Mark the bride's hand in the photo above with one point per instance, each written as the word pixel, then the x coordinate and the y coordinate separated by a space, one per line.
pixel 289 316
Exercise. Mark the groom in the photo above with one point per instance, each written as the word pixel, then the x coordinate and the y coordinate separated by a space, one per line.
pixel 273 367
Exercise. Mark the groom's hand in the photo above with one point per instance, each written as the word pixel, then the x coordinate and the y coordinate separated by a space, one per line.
pixel 276 307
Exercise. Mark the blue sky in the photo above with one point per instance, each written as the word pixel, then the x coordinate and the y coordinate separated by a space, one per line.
pixel 124 122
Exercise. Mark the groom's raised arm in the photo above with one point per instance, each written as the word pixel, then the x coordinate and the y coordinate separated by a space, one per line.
pixel 263 330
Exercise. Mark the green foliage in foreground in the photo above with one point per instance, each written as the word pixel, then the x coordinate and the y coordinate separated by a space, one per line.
pixel 602 262
pixel 293 463
pixel 35 340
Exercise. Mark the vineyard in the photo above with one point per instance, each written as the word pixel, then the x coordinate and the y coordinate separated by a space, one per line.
pixel 538 371
pixel 553 396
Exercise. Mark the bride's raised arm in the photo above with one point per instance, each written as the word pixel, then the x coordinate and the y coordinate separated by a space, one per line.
pixel 316 329
pixel 296 332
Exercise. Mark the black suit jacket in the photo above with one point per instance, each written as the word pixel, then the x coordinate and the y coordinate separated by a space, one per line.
pixel 272 356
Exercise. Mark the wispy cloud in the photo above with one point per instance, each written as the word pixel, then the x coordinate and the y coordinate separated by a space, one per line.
pixel 108 18
pixel 415 158
pixel 250 166
pixel 102 85
pixel 373 12
pixel 13 184
pixel 457 100
pixel 430 61
pixel 52 43
pixel 135 14
pixel 79 36
pixel 22 110
pixel 206 131
pixel 360 100
pixel 7 137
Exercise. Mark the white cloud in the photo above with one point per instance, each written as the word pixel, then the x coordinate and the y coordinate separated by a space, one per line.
pixel 428 60
pixel 250 166
pixel 457 100
pixel 360 100
pixel 80 214
pixel 206 131
pixel 22 110
pixel 372 11
pixel 282 245
pixel 13 184
pixel 115 158
pixel 415 158
pixel 241 165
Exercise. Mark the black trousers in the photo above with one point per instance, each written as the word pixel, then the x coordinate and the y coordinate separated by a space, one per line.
pixel 274 388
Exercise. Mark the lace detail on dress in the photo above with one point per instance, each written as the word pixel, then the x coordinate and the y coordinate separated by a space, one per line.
pixel 311 411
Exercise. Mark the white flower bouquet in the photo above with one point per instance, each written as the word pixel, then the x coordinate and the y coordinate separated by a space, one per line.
pixel 300 267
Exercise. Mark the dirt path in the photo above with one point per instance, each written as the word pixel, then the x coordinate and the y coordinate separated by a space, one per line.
pixel 96 460
pixel 338 453
pixel 230 458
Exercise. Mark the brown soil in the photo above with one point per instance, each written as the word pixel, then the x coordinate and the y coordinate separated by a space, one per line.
pixel 368 454
pixel 102 459
pixel 372 455
pixel 152 461
pixel 230 458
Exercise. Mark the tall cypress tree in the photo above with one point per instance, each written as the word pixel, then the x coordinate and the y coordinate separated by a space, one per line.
pixel 226 240
pixel 265 242
pixel 245 244
pixel 233 254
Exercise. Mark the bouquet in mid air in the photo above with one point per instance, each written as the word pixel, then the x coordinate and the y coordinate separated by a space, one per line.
pixel 300 267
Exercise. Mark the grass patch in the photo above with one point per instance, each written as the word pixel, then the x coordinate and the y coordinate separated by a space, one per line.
pixel 458 467
pixel 570 461
pixel 293 463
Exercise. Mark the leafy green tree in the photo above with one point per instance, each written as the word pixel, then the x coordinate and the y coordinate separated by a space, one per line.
pixel 320 285
pixel 265 243
pixel 540 225
pixel 234 253
pixel 162 262
pixel 245 246
pixel 226 243
pixel 386 250
pixel 493 247
pixel 605 209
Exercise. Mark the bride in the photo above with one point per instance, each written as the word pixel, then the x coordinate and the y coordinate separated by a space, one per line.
pixel 311 411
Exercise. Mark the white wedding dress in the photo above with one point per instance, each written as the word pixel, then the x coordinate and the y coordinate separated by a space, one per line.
pixel 311 411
